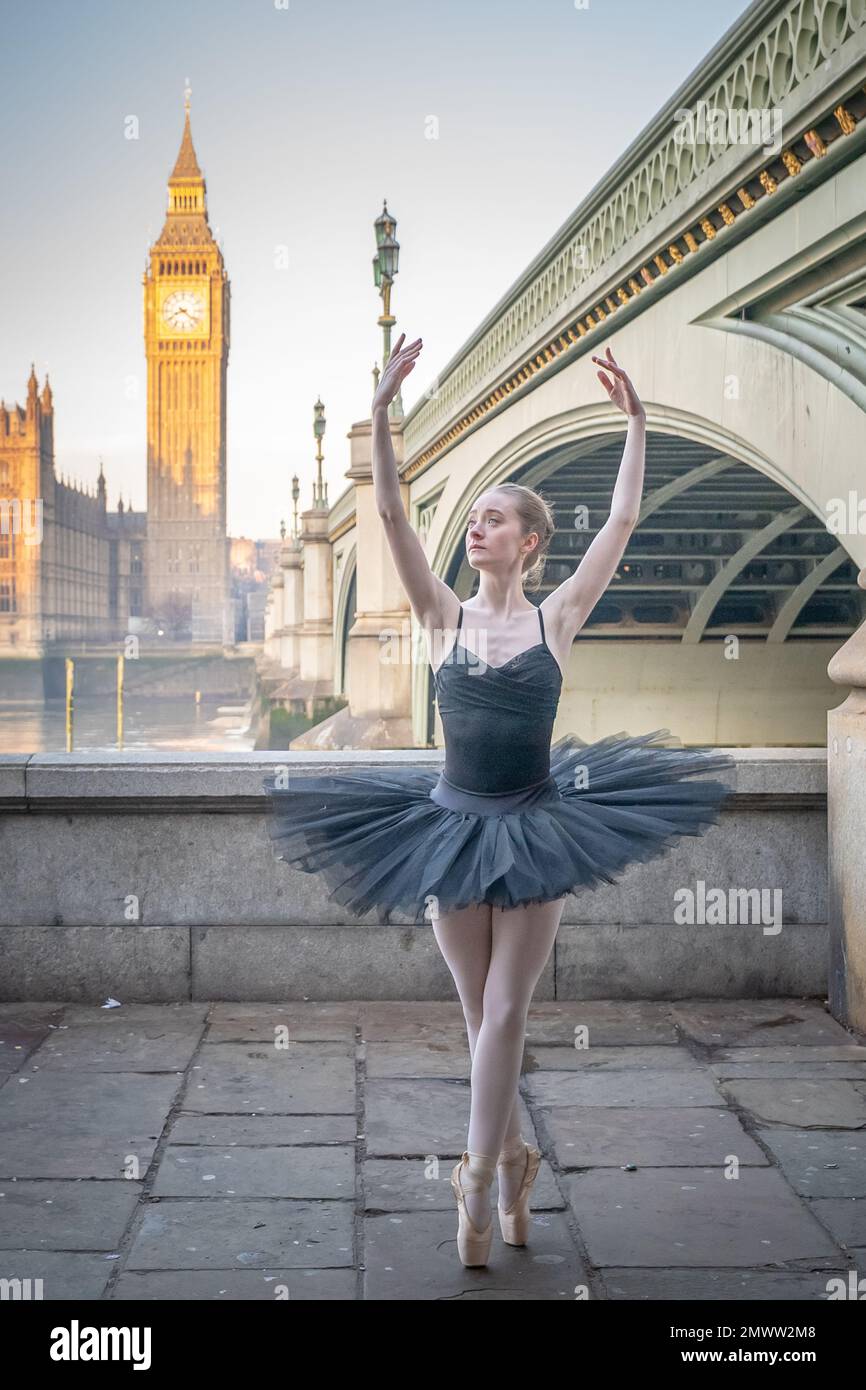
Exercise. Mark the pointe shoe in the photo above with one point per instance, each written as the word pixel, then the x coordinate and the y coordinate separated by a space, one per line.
pixel 473 1246
pixel 514 1219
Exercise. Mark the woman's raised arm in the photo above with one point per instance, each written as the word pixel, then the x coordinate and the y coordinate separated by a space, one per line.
pixel 569 606
pixel 434 604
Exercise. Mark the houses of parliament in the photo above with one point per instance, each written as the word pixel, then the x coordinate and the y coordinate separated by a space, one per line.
pixel 74 570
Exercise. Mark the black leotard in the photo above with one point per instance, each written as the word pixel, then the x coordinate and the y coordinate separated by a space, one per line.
pixel 498 721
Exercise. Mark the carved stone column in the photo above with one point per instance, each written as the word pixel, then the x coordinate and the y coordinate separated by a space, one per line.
pixel 378 660
pixel 316 636
pixel 846 833
pixel 292 614
pixel 273 610
pixel 284 610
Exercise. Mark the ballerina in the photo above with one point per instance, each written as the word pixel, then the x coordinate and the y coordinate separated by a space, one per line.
pixel 488 849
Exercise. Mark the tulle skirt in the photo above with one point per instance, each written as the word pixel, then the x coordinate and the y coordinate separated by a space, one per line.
pixel 405 840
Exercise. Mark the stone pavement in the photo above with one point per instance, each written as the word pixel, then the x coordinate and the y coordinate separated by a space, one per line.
pixel 697 1150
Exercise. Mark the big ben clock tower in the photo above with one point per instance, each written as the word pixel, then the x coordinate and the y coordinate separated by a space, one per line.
pixel 186 334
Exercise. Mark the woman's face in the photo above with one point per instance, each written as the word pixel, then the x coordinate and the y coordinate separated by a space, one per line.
pixel 493 532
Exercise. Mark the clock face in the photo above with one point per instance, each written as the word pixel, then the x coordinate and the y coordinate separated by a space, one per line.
pixel 183 310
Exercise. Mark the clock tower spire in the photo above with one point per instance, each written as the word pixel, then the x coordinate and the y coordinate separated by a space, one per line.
pixel 186 186
pixel 186 334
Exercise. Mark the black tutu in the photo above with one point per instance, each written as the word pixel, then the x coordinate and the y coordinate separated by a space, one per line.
pixel 405 840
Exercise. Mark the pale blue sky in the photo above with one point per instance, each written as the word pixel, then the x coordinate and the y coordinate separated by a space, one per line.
pixel 303 119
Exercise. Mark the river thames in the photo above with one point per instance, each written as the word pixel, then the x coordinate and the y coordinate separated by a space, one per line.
pixel 168 723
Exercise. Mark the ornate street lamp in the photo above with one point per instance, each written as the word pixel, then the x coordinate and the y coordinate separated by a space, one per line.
pixel 385 264
pixel 296 492
pixel 320 487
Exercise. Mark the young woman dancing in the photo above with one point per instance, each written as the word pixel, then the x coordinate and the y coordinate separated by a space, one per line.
pixel 488 849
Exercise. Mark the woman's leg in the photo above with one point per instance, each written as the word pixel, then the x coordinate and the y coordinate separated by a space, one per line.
pixel 464 938
pixel 521 941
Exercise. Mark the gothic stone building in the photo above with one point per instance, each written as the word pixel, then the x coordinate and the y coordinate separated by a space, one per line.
pixel 70 570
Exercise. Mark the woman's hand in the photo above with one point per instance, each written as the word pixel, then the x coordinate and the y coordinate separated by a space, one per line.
pixel 620 390
pixel 398 366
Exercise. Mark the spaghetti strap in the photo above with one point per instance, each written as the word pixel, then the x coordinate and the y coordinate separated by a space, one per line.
pixel 456 643
pixel 541 621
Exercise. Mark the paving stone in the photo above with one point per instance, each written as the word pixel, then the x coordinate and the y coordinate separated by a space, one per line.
pixel 632 1087
pixel 409 1184
pixel 651 1137
pixel 845 1219
pixel 603 1022
pixel 29 1013
pixel 829 1052
pixel 600 1058
pixel 420 1118
pixel 694 1217
pixel 409 1021
pixel 65 1274
pixel 720 1285
pixel 820 1162
pixel 416 1117
pixel 315 1076
pixel 237 1233
pixel 418 1184
pixel 125 1047
pixel 82 1126
pixel 237 1285
pixel 834 1104
pixel 753 1022
pixel 170 1016
pixel 65 1215
pixel 306 1022
pixel 264 1129
pixel 431 1058
pixel 785 1071
pixel 188 1170
pixel 413 1257
pixel 23 1028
